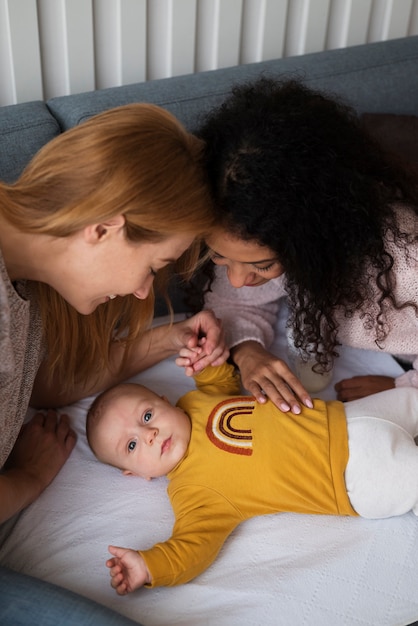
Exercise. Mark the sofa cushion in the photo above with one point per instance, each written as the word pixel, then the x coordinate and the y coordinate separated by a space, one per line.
pixel 24 129
pixel 372 77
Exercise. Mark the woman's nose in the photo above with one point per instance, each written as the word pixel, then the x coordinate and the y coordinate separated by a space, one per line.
pixel 143 292
pixel 238 275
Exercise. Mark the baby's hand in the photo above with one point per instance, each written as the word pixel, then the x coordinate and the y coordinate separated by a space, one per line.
pixel 203 336
pixel 128 570
pixel 188 357
pixel 194 360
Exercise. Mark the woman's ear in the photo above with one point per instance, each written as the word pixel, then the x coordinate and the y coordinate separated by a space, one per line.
pixel 94 233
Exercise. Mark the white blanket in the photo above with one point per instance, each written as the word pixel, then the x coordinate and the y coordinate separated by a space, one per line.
pixel 283 569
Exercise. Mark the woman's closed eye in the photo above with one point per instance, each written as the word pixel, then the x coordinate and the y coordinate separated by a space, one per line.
pixel 266 268
pixel 217 259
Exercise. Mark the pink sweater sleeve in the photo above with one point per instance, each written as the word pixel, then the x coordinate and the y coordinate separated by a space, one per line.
pixel 248 313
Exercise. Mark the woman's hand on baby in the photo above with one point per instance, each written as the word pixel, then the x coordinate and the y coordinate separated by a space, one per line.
pixel 362 386
pixel 201 342
pixel 266 376
pixel 128 570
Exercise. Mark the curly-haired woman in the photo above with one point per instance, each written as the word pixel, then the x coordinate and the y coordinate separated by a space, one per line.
pixel 312 209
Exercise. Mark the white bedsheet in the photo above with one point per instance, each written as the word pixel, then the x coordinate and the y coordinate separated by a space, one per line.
pixel 284 569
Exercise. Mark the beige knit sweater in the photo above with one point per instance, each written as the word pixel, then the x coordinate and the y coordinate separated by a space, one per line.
pixel 21 351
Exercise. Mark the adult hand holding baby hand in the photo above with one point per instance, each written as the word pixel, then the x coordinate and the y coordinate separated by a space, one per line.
pixel 202 343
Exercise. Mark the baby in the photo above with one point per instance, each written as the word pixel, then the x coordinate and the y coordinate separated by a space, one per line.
pixel 229 458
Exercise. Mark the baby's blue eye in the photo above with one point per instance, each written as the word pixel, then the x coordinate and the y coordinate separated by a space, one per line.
pixel 147 416
pixel 131 446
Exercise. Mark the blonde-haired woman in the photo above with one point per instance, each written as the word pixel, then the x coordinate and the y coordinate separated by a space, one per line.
pixel 94 217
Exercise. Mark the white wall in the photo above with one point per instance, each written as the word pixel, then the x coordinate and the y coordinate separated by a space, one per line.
pixel 56 47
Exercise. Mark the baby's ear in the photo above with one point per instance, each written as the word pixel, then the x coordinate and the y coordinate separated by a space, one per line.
pixel 129 473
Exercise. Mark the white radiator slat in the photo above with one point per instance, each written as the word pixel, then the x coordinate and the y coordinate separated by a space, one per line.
pixel 397 18
pixel 67 46
pixel 316 25
pixel 229 36
pixel 253 29
pixel 53 47
pixel 7 82
pixel 23 52
pixel 183 38
pixel 158 44
pixel 133 41
pixel 171 37
pixel 80 44
pixel 206 34
pixel 120 36
pixel 413 23
pixel 348 23
pixel 297 20
pixel 306 26
pixel 57 47
pixel 107 40
pixel 218 34
pixel 263 30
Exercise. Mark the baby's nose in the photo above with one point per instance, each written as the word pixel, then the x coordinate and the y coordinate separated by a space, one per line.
pixel 150 436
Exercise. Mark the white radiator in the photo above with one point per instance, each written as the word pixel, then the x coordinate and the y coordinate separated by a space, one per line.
pixel 57 47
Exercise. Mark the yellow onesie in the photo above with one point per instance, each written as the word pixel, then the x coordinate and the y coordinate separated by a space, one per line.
pixel 246 459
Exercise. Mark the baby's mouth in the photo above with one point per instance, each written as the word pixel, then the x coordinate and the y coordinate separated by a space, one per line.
pixel 166 445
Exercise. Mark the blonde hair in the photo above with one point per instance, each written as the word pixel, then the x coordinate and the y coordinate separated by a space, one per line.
pixel 136 160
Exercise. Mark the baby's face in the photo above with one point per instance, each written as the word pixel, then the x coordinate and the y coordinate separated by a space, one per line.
pixel 141 432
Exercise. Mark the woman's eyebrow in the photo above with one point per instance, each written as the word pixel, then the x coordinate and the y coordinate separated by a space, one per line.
pixel 270 260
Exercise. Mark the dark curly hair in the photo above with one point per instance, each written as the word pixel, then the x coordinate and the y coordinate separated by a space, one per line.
pixel 293 169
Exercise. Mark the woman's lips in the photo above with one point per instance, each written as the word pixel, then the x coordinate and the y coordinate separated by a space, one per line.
pixel 261 282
